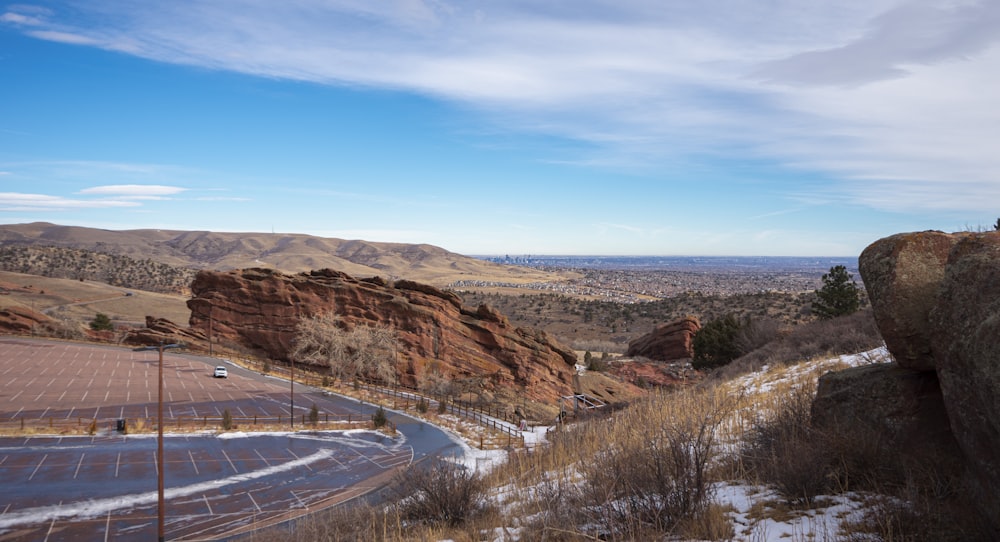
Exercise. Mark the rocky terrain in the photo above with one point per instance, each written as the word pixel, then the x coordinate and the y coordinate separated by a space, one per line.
pixel 936 298
pixel 262 308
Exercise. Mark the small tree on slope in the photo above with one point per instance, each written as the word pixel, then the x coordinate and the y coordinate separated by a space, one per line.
pixel 838 296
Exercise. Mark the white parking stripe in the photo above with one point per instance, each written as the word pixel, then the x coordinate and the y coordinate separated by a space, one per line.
pixel 78 465
pixel 231 461
pixel 37 467
pixel 193 464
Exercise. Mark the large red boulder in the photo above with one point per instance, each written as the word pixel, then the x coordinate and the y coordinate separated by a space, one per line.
pixel 936 299
pixel 666 342
pixel 902 274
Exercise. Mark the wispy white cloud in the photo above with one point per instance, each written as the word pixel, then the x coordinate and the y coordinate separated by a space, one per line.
pixel 898 101
pixel 22 202
pixel 133 191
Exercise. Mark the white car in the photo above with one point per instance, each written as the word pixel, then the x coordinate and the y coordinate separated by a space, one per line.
pixel 221 372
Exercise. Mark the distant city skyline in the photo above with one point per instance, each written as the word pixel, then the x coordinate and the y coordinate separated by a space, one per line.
pixel 560 128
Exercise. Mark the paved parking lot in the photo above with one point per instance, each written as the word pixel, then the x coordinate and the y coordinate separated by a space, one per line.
pixel 66 382
pixel 103 487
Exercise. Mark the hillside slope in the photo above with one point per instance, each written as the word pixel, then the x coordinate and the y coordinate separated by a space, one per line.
pixel 288 253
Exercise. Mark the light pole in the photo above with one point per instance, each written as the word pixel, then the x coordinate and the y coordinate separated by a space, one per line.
pixel 160 505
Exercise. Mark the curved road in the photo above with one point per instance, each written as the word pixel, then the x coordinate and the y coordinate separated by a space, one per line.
pixel 103 487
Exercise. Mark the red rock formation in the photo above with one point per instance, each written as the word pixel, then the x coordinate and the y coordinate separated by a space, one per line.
pixel 261 308
pixel 161 330
pixel 20 320
pixel 902 274
pixel 936 299
pixel 667 342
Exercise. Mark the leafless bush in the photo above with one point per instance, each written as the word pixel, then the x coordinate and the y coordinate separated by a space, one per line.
pixel 784 450
pixel 363 351
pixel 441 492
pixel 756 333
pixel 654 475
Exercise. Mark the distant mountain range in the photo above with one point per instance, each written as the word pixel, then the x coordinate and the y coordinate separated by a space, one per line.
pixel 287 252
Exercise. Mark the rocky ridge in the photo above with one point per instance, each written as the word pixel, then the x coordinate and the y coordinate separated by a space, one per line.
pixel 260 308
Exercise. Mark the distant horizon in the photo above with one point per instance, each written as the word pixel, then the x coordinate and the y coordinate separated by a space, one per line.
pixel 470 255
pixel 623 127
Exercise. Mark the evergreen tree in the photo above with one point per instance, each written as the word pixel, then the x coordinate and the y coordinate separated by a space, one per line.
pixel 838 296
pixel 101 322
pixel 715 343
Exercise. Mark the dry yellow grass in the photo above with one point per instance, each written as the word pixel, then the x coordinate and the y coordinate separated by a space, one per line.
pixel 81 300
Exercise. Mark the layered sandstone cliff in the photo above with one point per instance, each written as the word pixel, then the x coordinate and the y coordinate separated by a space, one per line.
pixel 261 309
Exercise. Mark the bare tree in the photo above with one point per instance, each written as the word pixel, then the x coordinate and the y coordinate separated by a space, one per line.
pixel 365 351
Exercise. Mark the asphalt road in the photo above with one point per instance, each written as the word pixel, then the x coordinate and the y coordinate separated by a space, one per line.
pixel 103 487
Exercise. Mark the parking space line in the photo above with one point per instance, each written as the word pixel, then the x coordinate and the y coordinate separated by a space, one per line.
pixel 107 527
pixel 70 413
pixel 16 396
pixel 210 512
pixel 37 467
pixel 193 464
pixel 266 462
pixel 230 462
pixel 118 463
pixel 298 499
pixel 51 525
pixel 78 465
pixel 84 398
pixel 254 502
pixel 306 465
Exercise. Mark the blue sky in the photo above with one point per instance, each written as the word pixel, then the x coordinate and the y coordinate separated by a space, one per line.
pixel 718 127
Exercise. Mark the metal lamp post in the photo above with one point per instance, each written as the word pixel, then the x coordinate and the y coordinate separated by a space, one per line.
pixel 160 505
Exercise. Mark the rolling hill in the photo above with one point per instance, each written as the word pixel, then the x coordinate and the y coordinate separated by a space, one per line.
pixel 289 253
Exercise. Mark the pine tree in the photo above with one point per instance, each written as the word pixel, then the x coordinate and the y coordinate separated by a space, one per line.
pixel 101 322
pixel 838 296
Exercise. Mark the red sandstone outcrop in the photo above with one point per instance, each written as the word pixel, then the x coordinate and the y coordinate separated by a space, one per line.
pixel 902 274
pixel 20 320
pixel 936 299
pixel 161 330
pixel 667 342
pixel 261 308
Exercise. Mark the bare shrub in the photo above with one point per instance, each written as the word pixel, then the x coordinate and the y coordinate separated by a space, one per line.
pixel 440 492
pixel 553 511
pixel 755 333
pixel 362 351
pixel 782 449
pixel 654 474
pixel 849 334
